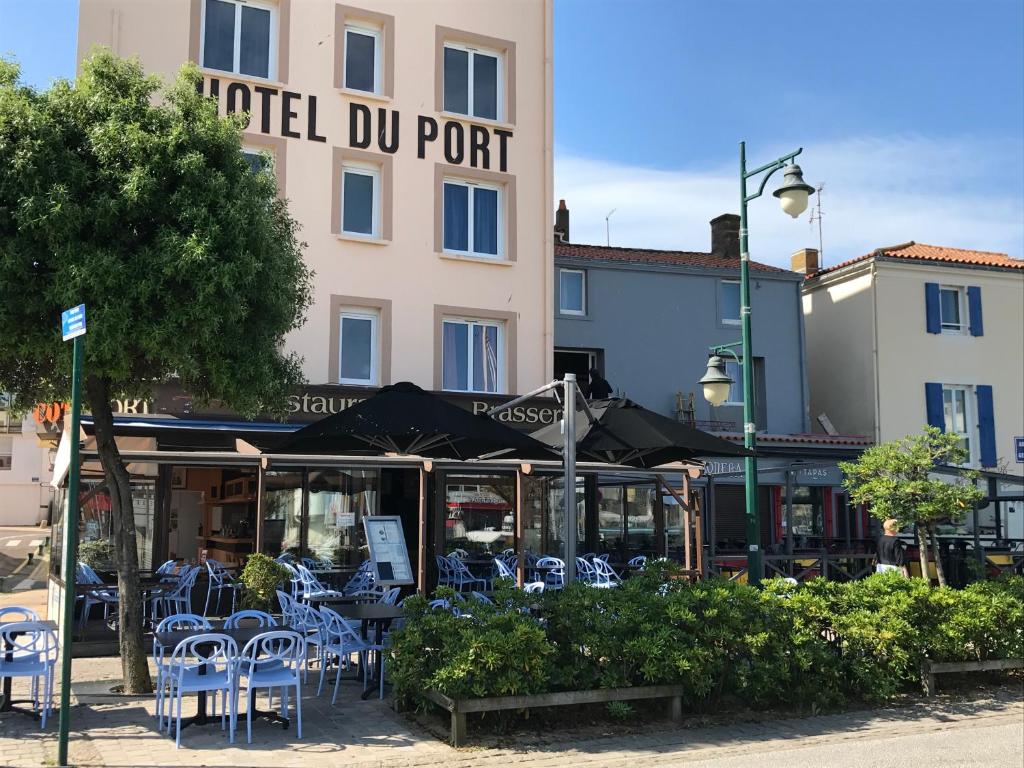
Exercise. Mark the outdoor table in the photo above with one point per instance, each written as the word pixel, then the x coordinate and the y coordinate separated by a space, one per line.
pixel 334 575
pixel 341 599
pixel 380 615
pixel 241 635
pixel 6 702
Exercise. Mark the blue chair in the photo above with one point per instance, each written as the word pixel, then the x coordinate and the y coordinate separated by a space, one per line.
pixel 585 572
pixel 221 581
pixel 310 624
pixel 342 640
pixel 17 613
pixel 32 648
pixel 552 571
pixel 311 586
pixel 606 576
pixel 203 662
pixel 171 623
pixel 444 571
pixel 179 598
pixel 261 619
pixel 271 660
pixel 502 570
pixel 533 587
pixel 640 561
pixel 462 577
pixel 390 596
pixel 84 574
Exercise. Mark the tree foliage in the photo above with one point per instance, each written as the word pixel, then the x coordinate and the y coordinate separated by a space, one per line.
pixel 897 479
pixel 138 202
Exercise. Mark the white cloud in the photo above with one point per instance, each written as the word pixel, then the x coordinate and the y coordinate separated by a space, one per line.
pixel 878 191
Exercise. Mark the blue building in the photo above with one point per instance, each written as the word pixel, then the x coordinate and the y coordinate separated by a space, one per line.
pixel 646 318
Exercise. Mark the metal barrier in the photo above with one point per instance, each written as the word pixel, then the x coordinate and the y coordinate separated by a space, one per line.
pixel 837 566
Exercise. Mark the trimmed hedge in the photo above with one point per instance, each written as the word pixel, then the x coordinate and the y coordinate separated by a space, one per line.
pixel 822 644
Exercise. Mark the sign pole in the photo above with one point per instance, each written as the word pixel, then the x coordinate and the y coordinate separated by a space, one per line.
pixel 71 328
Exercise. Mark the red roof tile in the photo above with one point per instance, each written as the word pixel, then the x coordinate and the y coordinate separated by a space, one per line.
pixel 649 256
pixel 936 253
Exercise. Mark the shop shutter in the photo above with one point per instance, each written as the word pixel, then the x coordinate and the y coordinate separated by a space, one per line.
pixel 974 310
pixel 933 405
pixel 986 425
pixel 933 313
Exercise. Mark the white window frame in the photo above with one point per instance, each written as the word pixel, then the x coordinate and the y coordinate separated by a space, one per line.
pixel 237 42
pixel 735 372
pixel 262 152
pixel 970 422
pixel 721 303
pixel 470 322
pixel 583 292
pixel 362 169
pixel 378 52
pixel 499 83
pixel 473 186
pixel 962 308
pixel 356 313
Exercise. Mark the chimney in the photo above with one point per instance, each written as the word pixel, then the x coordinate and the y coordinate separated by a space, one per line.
pixel 805 261
pixel 725 235
pixel 562 223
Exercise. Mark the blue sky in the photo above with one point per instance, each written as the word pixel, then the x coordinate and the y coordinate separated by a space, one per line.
pixel 910 111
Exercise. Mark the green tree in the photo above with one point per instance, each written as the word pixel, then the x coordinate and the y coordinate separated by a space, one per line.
pixel 136 200
pixel 897 480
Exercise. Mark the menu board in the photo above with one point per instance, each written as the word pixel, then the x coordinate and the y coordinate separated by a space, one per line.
pixel 388 553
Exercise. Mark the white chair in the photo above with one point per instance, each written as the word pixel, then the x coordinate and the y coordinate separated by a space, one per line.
pixel 460 554
pixel 251 617
pixel 390 597
pixel 606 576
pixel 221 581
pixel 534 587
pixel 552 571
pixel 107 598
pixel 444 571
pixel 307 621
pixel 462 577
pixel 171 623
pixel 585 572
pixel 502 571
pixel 32 648
pixel 179 598
pixel 271 660
pixel 342 640
pixel 203 662
pixel 17 613
pixel 311 586
pixel 640 561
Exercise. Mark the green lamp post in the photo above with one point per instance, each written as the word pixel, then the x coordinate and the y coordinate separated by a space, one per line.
pixel 716 382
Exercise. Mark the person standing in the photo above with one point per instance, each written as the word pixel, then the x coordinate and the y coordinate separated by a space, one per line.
pixel 600 389
pixel 892 553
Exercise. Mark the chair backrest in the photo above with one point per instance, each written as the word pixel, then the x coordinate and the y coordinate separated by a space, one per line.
pixel 534 587
pixel 218 573
pixel 458 567
pixel 458 553
pixel 28 640
pixel 167 568
pixel 502 570
pixel 444 565
pixel 585 571
pixel 390 597
pixel 638 561
pixel 306 617
pixel 186 580
pixel 183 621
pixel 17 613
pixel 481 597
pixel 277 646
pixel 338 630
pixel 603 556
pixel 605 574
pixel 309 581
pixel 86 575
pixel 445 605
pixel 294 582
pixel 287 603
pixel 211 651
pixel 360 581
pixel 251 618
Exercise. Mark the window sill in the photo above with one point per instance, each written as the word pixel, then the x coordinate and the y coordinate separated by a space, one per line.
pixel 364 240
pixel 357 94
pixel 478 120
pixel 499 262
pixel 225 74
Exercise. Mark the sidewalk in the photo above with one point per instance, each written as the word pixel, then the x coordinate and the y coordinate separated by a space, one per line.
pixel 119 731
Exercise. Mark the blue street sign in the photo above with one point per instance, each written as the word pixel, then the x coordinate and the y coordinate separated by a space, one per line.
pixel 1018 448
pixel 72 322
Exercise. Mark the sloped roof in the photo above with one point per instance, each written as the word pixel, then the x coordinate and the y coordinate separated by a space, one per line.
pixel 650 256
pixel 913 251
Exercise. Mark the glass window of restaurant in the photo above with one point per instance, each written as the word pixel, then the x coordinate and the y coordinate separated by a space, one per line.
pixel 544 521
pixel 626 521
pixel 808 516
pixel 480 513
pixel 282 513
pixel 339 499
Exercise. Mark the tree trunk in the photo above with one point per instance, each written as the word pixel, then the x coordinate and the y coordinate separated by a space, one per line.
pixel 922 552
pixel 940 569
pixel 134 661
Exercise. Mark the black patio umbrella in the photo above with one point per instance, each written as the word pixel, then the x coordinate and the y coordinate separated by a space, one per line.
pixel 402 418
pixel 624 432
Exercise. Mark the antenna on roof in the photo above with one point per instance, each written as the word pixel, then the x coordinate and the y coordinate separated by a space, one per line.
pixel 816 215
pixel 607 230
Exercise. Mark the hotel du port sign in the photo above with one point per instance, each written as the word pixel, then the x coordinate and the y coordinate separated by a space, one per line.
pixel 481 146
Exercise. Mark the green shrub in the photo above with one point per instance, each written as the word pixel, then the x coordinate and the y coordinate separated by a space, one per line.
pixel 97 554
pixel 261 578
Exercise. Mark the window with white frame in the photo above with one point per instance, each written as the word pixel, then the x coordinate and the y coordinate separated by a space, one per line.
pixel 735 372
pixel 363 57
pixel 474 218
pixel 472 355
pixel 360 200
pixel 358 347
pixel 258 159
pixel 572 292
pixel 729 302
pixel 957 416
pixel 240 36
pixel 473 82
pixel 952 303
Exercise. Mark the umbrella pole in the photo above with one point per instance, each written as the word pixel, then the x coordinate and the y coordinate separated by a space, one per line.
pixel 687 520
pixel 569 462
pixel 520 529
pixel 421 570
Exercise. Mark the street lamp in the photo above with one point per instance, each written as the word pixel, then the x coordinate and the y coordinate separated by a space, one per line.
pixel 793 196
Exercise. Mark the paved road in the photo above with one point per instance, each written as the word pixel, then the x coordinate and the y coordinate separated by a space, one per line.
pixel 15 545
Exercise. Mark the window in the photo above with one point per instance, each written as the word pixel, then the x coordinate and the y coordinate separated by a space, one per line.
pixel 6 452
pixel 572 290
pixel 729 302
pixel 240 37
pixel 951 303
pixel 358 348
pixel 363 58
pixel 360 200
pixel 473 82
pixel 472 356
pixel 473 218
pixel 258 160
pixel 735 372
pixel 957 418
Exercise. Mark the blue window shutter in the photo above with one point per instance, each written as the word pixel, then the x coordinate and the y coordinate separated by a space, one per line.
pixel 986 425
pixel 974 309
pixel 933 405
pixel 933 314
